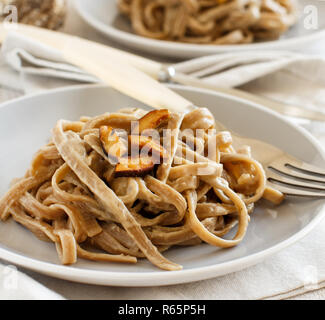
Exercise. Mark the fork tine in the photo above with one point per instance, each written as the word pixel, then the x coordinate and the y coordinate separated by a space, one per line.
pixel 211 69
pixel 299 170
pixel 215 67
pixel 308 168
pixel 293 181
pixel 202 67
pixel 191 66
pixel 294 191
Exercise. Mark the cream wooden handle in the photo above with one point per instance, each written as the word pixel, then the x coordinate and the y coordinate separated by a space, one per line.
pixel 59 40
pixel 126 79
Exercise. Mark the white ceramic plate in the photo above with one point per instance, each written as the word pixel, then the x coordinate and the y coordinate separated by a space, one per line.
pixel 103 15
pixel 25 126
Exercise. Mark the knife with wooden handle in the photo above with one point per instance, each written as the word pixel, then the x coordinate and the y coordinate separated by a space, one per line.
pixel 154 69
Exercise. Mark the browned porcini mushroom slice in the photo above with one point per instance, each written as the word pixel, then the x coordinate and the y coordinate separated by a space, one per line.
pixel 152 120
pixel 144 146
pixel 112 144
pixel 134 167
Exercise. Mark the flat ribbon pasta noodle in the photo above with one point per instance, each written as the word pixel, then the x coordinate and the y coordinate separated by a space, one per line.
pixel 259 174
pixel 209 237
pixel 42 230
pixel 19 189
pixel 66 247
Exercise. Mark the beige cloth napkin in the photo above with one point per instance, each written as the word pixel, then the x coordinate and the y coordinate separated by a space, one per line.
pixel 27 67
pixel 15 285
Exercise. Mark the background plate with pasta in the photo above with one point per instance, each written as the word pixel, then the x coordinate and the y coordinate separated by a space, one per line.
pixel 104 16
pixel 25 126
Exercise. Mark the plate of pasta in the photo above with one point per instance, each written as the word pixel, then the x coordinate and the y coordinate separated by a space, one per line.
pixel 191 28
pixel 98 188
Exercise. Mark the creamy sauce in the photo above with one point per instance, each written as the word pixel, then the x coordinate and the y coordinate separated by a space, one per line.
pixel 261 151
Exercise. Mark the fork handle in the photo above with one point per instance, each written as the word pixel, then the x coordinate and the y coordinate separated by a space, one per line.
pixel 126 79
pixel 285 109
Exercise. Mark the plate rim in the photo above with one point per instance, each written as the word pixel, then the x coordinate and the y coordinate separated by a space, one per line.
pixel 197 49
pixel 142 279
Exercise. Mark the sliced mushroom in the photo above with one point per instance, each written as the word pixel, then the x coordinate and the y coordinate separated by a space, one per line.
pixel 134 167
pixel 143 145
pixel 152 120
pixel 112 144
pixel 144 151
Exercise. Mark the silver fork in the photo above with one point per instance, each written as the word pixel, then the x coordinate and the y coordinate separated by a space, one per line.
pixel 195 79
pixel 296 178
